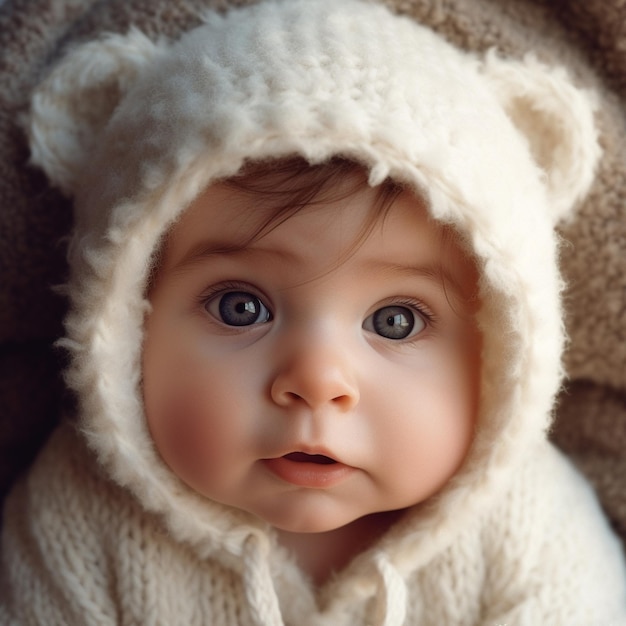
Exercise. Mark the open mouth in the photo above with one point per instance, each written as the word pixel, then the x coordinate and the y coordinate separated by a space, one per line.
pixel 313 471
pixel 303 457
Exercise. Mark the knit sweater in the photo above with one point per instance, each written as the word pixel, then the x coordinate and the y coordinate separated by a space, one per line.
pixel 103 530
pixel 80 550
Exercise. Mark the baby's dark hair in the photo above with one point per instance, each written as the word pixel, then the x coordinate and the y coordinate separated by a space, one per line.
pixel 287 186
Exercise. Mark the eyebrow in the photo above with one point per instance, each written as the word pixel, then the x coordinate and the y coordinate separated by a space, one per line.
pixel 208 249
pixel 438 274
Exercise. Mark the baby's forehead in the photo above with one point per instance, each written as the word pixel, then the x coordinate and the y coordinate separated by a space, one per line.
pixel 386 228
pixel 264 194
pixel 243 211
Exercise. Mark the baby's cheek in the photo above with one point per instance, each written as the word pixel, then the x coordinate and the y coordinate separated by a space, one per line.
pixel 196 433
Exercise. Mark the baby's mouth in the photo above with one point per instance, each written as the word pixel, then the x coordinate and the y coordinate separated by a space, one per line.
pixel 311 471
pixel 303 457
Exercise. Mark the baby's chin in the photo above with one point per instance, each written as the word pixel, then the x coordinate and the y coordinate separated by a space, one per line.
pixel 305 517
pixel 320 523
pixel 299 522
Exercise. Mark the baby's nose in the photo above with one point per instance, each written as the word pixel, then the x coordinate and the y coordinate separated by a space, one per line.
pixel 316 371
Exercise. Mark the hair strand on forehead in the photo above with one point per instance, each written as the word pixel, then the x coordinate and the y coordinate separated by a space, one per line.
pixel 287 186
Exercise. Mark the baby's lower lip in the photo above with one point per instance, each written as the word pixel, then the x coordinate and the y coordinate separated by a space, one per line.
pixel 304 470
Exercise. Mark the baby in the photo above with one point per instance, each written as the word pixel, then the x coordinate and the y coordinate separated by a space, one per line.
pixel 315 333
pixel 288 346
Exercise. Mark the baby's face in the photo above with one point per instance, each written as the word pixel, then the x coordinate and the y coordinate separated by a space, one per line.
pixel 302 379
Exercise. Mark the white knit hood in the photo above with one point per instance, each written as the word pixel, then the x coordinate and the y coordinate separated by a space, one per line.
pixel 134 130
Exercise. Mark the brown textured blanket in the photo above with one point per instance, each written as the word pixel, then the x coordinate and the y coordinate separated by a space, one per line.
pixel 589 38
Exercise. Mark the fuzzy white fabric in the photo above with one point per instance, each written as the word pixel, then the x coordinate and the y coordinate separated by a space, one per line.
pixel 84 552
pixel 134 131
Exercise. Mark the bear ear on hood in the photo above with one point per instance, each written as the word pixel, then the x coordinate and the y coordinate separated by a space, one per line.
pixel 557 120
pixel 72 106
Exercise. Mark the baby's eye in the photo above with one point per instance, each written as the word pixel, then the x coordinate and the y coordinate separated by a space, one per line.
pixel 394 322
pixel 238 308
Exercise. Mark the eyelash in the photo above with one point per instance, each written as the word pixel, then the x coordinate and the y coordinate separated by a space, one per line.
pixel 419 307
pixel 225 287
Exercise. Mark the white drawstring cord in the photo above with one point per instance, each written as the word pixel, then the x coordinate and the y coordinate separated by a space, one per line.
pixel 392 594
pixel 259 589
